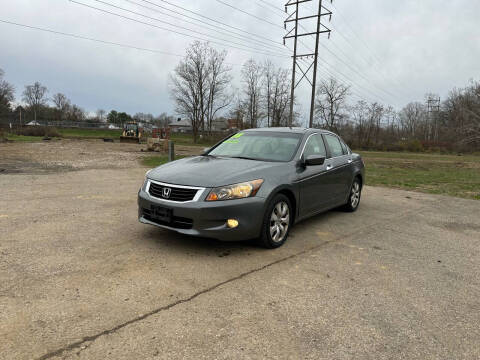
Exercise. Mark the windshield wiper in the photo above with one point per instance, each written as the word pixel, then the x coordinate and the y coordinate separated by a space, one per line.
pixel 244 158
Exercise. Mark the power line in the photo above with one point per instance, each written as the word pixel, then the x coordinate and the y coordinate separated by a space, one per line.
pixel 175 31
pixel 204 24
pixel 358 71
pixel 368 61
pixel 89 38
pixel 213 20
pixel 105 42
pixel 168 23
pixel 301 42
pixel 269 4
pixel 249 14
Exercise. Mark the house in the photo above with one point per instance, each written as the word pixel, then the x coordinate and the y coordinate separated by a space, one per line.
pixel 236 124
pixel 220 124
pixel 33 123
pixel 181 126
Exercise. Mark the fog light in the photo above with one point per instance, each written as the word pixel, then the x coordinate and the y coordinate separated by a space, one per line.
pixel 232 223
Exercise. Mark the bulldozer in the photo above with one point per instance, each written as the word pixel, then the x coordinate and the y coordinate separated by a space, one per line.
pixel 131 133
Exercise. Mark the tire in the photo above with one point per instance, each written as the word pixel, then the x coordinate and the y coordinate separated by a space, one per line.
pixel 354 196
pixel 277 222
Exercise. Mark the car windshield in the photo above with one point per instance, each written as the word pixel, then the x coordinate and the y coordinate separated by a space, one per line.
pixel 264 146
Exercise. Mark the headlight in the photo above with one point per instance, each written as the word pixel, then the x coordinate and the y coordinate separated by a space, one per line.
pixel 236 191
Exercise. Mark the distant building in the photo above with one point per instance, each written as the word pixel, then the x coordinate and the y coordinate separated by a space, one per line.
pixel 33 123
pixel 220 124
pixel 181 126
pixel 235 124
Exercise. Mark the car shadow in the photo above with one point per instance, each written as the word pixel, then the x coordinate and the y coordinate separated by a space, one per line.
pixel 185 244
pixel 163 238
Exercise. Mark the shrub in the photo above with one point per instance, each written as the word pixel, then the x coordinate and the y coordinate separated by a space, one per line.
pixel 39 131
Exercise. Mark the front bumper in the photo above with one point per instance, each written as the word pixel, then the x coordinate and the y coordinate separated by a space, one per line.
pixel 207 219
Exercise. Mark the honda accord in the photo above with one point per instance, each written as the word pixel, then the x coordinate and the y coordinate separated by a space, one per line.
pixel 256 184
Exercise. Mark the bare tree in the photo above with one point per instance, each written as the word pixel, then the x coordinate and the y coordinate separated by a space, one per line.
pixel 280 97
pixel 237 112
pixel 268 76
pixel 189 84
pixel 412 117
pixel 143 118
pixel 35 96
pixel 331 103
pixel 62 105
pixel 219 79
pixel 359 116
pixel 163 120
pixel 199 84
pixel 76 113
pixel 101 115
pixel 6 95
pixel 252 79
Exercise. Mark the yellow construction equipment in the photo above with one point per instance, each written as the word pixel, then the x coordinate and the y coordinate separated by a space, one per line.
pixel 131 133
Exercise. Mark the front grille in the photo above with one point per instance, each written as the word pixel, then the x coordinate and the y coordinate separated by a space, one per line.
pixel 177 222
pixel 176 194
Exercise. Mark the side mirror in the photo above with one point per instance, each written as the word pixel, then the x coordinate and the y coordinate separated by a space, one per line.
pixel 205 150
pixel 314 160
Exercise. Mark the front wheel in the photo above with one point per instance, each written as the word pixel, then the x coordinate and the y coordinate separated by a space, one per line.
pixel 354 197
pixel 276 223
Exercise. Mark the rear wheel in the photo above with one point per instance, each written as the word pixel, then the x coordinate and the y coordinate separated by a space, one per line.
pixel 354 197
pixel 276 222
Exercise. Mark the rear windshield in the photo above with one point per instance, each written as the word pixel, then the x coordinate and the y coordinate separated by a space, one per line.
pixel 262 146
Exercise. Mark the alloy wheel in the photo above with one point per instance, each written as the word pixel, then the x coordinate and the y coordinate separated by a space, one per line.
pixel 355 194
pixel 279 221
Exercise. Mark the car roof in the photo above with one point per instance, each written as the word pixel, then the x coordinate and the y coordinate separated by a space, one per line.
pixel 296 130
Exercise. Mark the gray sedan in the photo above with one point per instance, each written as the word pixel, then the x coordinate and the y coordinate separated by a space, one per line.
pixel 256 184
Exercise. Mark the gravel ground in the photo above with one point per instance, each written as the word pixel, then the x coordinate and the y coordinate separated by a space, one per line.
pixel 73 155
pixel 80 278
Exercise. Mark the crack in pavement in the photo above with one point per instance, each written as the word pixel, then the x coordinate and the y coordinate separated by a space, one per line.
pixel 92 338
pixel 181 301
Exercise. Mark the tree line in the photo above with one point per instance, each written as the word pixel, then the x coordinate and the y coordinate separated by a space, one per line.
pixel 453 125
pixel 59 108
pixel 201 89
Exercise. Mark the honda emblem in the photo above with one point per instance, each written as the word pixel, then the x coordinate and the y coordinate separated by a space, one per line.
pixel 166 192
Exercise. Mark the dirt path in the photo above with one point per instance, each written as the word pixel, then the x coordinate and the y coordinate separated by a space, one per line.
pixel 73 155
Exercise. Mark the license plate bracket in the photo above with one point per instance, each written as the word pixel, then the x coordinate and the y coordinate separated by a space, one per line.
pixel 161 213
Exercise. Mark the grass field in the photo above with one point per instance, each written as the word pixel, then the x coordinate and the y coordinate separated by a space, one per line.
pixel 23 138
pixel 431 173
pixel 187 139
pixel 90 133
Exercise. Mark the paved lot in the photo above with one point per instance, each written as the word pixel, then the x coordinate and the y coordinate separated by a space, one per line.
pixel 81 278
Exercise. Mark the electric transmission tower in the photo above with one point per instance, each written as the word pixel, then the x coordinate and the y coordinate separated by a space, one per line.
pixel 433 110
pixel 295 35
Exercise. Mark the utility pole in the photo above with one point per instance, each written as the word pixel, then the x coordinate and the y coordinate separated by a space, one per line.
pixel 320 29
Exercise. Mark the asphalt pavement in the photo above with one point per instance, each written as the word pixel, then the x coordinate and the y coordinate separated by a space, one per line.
pixel 80 278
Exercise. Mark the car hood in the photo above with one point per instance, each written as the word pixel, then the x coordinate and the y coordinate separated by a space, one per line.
pixel 208 171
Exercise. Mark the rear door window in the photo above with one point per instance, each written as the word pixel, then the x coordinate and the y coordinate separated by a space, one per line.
pixel 334 145
pixel 344 148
